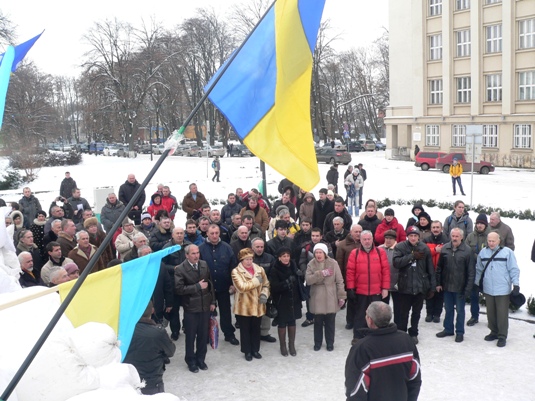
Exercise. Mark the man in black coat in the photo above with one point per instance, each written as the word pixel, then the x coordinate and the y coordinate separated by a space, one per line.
pixel 230 209
pixel 241 242
pixel 370 221
pixel 322 207
pixel 384 365
pixel 281 240
pixel 416 279
pixel 193 283
pixel 332 177
pixel 161 234
pixel 148 351
pixel 456 270
pixel 126 193
pixel 67 185
pixel 339 211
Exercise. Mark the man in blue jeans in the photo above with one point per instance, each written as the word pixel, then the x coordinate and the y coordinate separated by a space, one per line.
pixel 455 276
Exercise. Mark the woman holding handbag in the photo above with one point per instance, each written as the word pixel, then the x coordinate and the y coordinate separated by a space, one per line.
pixel 250 298
pixel 287 296
pixel 327 294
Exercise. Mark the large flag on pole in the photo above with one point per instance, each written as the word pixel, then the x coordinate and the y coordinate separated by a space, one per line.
pixel 265 92
pixel 9 61
pixel 117 296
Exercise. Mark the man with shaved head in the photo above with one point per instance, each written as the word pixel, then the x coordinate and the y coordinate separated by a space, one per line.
pixel 126 194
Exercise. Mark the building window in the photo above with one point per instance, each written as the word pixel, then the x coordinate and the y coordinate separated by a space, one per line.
pixel 494 38
pixel 526 85
pixel 462 4
pixel 432 135
pixel 435 7
pixel 435 91
pixel 458 136
pixel 522 139
pixel 435 47
pixel 463 43
pixel 526 33
pixel 490 136
pixel 494 88
pixel 464 89
pixel 492 1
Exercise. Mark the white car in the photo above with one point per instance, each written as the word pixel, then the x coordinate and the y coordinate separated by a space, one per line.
pixel 211 151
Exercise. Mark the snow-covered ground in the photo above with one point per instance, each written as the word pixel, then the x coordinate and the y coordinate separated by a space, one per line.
pixel 474 369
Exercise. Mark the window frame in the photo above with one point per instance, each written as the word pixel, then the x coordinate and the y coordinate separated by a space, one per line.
pixel 490 136
pixel 463 43
pixel 462 5
pixel 435 49
pixel 523 136
pixel 432 135
pixel 526 38
pixel 526 86
pixel 458 135
pixel 436 91
pixel 435 8
pixel 464 91
pixel 493 38
pixel 493 88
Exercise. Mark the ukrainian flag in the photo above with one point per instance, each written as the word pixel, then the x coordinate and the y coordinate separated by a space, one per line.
pixel 117 296
pixel 9 61
pixel 265 92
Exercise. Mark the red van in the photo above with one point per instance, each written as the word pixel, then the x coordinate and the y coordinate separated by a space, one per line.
pixel 427 160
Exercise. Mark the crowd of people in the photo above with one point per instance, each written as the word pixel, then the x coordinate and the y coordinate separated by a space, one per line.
pixel 300 256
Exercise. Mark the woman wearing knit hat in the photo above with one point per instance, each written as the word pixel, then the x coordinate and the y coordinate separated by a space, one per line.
pixel 250 298
pixel 327 294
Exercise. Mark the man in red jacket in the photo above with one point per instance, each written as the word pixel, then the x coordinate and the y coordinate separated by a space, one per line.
pixel 368 279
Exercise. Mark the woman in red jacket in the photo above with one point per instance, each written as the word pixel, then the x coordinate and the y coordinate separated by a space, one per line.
pixel 156 204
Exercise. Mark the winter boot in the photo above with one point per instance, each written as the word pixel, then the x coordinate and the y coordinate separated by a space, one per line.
pixel 291 340
pixel 282 340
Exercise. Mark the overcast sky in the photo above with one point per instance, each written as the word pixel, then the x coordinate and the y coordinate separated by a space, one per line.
pixel 60 49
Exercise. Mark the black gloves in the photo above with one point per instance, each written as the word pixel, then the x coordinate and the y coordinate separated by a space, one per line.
pixel 516 290
pixel 351 294
pixel 430 294
pixel 418 255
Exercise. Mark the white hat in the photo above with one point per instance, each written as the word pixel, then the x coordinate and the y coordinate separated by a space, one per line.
pixel 321 247
pixel 329 192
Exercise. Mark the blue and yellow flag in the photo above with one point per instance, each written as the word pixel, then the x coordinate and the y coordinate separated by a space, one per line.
pixel 117 296
pixel 265 92
pixel 9 61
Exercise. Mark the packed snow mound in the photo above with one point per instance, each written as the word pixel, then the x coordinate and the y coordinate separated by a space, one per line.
pixel 97 344
pixel 116 375
pixel 57 373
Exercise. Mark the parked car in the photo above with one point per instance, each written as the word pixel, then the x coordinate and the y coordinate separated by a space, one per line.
pixel 330 155
pixel 212 151
pixel 427 160
pixel 367 144
pixel 337 145
pixel 355 146
pixel 182 150
pixel 240 151
pixel 193 150
pixel 379 145
pixel 443 163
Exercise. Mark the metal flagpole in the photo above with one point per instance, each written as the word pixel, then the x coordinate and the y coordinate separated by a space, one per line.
pixel 100 250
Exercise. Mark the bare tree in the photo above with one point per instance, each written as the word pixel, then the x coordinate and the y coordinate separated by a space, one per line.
pixel 29 112
pixel 7 29
pixel 123 62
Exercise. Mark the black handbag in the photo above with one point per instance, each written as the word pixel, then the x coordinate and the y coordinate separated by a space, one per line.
pixel 271 309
